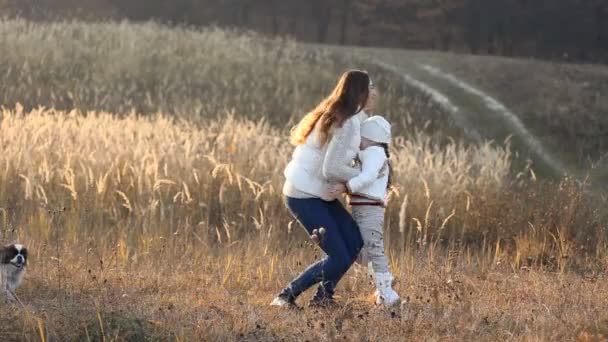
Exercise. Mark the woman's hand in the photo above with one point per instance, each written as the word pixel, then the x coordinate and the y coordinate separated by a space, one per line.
pixel 337 189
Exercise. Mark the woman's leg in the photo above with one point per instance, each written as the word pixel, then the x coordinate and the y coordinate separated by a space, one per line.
pixel 349 233
pixel 349 229
pixel 313 214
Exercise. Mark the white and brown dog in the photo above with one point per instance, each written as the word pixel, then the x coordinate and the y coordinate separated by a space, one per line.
pixel 13 260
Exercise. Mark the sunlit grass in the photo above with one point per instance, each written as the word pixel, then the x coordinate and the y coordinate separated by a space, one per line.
pixel 152 226
pixel 170 225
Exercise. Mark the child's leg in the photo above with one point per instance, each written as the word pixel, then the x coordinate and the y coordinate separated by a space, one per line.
pixel 371 221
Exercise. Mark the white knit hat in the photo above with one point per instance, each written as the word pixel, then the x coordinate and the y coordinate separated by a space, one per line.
pixel 376 129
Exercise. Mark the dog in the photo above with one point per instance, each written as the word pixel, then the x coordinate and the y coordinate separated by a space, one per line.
pixel 13 261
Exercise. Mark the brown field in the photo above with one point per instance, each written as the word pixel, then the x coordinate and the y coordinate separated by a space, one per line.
pixel 155 228
pixel 171 225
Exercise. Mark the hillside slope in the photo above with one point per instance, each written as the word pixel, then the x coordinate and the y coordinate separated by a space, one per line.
pixel 553 113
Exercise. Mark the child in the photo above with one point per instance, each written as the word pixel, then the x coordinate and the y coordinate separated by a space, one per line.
pixel 368 192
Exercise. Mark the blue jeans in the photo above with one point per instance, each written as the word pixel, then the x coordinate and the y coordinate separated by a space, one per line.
pixel 342 242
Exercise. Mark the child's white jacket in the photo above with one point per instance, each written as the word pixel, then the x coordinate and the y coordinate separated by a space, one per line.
pixel 373 180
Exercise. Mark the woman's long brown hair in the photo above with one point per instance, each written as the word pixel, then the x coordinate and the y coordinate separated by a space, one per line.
pixel 347 99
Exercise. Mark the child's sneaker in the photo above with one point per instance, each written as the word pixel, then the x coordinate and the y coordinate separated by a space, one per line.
pixel 385 295
pixel 388 297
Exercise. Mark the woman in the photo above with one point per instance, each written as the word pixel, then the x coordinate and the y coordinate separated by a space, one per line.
pixel 327 141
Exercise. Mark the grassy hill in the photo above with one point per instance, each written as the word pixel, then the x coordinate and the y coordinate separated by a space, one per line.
pixel 147 68
pixel 148 191
pixel 553 112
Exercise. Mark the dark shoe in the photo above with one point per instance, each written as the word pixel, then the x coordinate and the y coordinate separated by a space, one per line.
pixel 324 296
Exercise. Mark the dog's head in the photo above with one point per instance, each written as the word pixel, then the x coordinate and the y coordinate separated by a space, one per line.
pixel 14 255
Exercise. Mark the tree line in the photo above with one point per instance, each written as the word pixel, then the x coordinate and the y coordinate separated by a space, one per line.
pixel 573 30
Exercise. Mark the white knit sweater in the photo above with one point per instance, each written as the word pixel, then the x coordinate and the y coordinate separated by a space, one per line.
pixel 314 167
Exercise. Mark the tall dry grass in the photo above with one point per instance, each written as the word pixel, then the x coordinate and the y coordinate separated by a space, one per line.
pixel 219 179
pixel 172 226
pixel 158 227
pixel 150 68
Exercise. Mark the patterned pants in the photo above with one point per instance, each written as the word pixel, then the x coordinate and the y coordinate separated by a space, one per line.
pixel 370 220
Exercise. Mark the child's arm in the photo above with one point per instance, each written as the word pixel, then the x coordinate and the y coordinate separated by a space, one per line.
pixel 372 162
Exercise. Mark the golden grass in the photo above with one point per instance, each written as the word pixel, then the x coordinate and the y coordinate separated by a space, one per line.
pixel 150 68
pixel 191 73
pixel 171 226
pixel 199 296
pixel 159 228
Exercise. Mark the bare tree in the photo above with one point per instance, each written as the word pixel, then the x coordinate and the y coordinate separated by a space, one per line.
pixel 345 15
pixel 320 11
pixel 473 25
pixel 557 29
pixel 600 26
pixel 273 10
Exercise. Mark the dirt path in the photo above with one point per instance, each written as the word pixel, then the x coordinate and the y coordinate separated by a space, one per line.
pixel 507 116
pixel 479 114
pixel 441 99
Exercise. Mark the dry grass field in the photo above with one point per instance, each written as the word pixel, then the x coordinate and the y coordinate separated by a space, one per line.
pixel 155 228
pixel 151 68
pixel 171 225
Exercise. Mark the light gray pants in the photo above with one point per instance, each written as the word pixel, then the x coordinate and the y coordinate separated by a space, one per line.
pixel 371 223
